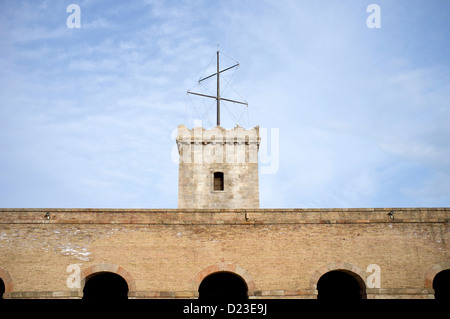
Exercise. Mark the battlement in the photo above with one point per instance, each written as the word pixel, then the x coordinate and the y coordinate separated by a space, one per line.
pixel 218 134
pixel 218 145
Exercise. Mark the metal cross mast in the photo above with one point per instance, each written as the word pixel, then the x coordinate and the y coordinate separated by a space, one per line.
pixel 218 97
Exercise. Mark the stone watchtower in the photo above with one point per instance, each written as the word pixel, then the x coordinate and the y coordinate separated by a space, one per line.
pixel 218 168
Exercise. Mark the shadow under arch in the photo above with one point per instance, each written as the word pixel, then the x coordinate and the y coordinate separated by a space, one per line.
pixel 437 278
pixel 225 268
pixel 108 273
pixel 223 285
pixel 340 273
pixel 433 271
pixel 105 285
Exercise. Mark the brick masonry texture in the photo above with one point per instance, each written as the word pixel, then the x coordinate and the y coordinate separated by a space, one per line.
pixel 165 253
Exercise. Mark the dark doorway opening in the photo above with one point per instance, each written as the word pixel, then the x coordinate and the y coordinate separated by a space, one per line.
pixel 223 286
pixel 2 289
pixel 105 285
pixel 441 285
pixel 340 285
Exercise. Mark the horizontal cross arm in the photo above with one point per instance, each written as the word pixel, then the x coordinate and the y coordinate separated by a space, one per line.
pixel 210 96
pixel 245 103
pixel 237 64
pixel 215 97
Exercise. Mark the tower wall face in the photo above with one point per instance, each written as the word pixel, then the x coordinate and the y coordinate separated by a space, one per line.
pixel 205 152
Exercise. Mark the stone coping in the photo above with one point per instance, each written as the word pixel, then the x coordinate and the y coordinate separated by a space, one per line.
pixel 223 216
pixel 190 210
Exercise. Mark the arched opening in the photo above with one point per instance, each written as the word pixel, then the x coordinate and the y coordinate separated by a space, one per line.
pixel 223 286
pixel 218 181
pixel 2 288
pixel 441 285
pixel 340 285
pixel 105 285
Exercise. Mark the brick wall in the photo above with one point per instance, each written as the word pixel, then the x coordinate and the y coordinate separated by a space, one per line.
pixel 166 253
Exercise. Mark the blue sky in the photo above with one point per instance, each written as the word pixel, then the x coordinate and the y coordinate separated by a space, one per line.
pixel 87 114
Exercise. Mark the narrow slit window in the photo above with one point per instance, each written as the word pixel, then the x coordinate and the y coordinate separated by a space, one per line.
pixel 218 181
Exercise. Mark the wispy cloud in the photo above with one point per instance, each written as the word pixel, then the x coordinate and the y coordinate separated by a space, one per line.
pixel 87 114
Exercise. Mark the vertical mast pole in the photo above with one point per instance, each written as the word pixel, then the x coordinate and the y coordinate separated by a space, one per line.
pixel 218 91
pixel 217 97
